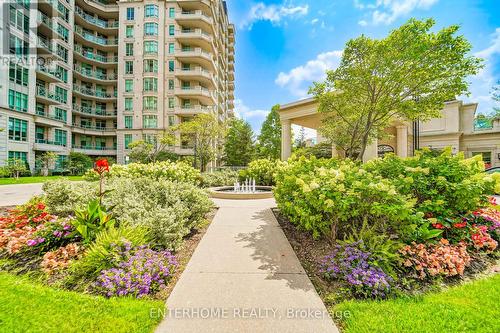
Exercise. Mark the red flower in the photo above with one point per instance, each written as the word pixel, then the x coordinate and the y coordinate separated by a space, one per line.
pixel 101 166
pixel 460 225
pixel 438 226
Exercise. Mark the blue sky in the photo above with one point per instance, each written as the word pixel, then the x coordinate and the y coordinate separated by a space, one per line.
pixel 282 46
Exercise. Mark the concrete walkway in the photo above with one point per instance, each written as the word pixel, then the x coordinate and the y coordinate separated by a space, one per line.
pixel 244 277
pixel 11 195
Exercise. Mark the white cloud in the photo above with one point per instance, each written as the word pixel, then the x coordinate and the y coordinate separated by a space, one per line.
pixel 273 13
pixel 387 11
pixel 299 78
pixel 482 83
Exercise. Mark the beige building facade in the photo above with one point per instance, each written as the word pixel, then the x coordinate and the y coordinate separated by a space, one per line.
pixel 458 128
pixel 92 76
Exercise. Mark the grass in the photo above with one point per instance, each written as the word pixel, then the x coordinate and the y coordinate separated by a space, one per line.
pixel 472 307
pixel 31 180
pixel 32 307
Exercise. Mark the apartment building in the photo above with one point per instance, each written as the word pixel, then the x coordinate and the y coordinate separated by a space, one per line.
pixel 92 76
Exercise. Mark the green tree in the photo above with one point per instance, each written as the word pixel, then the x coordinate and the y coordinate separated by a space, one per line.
pixel 239 146
pixel 147 152
pixel 407 75
pixel 269 145
pixel 204 132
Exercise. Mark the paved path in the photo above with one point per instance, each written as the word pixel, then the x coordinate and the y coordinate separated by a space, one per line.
pixel 11 195
pixel 244 277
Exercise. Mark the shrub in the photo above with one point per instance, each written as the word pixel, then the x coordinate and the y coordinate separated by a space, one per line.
pixel 354 266
pixel 141 272
pixel 219 178
pixel 433 260
pixel 263 171
pixel 444 186
pixel 103 252
pixel 166 170
pixel 328 197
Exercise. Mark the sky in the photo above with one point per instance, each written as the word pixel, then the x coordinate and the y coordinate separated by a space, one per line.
pixel 282 46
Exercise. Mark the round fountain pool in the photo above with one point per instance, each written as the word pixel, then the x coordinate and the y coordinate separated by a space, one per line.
pixel 229 192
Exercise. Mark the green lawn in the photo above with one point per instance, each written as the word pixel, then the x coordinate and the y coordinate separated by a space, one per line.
pixel 472 307
pixel 29 307
pixel 30 180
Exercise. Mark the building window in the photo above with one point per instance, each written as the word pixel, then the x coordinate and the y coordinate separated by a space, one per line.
pixel 150 103
pixel 171 102
pixel 18 101
pixel 171 30
pixel 18 129
pixel 60 137
pixel 129 31
pixel 149 121
pixel 127 138
pixel 171 84
pixel 129 49
pixel 171 65
pixel 129 85
pixel 171 12
pixel 61 94
pixel 130 14
pixel 18 155
pixel 171 48
pixel 150 47
pixel 150 66
pixel 151 84
pixel 151 11
pixel 129 67
pixel 129 104
pixel 128 121
pixel 18 74
pixel 60 114
pixel 150 29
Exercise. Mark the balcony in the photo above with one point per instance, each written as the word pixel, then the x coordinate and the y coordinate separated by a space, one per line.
pixel 44 96
pixel 94 112
pixel 47 145
pixel 101 42
pixel 102 26
pixel 95 76
pixel 191 110
pixel 96 94
pixel 98 59
pixel 203 94
pixel 93 130
pixel 198 73
pixel 196 55
pixel 94 150
pixel 48 75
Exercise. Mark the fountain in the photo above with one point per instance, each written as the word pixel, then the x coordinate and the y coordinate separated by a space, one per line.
pixel 247 189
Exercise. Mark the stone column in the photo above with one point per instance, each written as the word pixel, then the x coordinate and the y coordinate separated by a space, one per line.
pixel 371 151
pixel 402 141
pixel 286 139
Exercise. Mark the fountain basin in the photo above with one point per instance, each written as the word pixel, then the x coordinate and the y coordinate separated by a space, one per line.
pixel 227 192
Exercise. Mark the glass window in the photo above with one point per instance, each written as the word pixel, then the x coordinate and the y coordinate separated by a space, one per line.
pixel 130 14
pixel 149 121
pixel 171 66
pixel 129 104
pixel 171 30
pixel 128 140
pixel 18 129
pixel 129 67
pixel 129 85
pixel 151 11
pixel 128 121
pixel 151 29
pixel 60 137
pixel 171 48
pixel 171 12
pixel 150 66
pixel 129 31
pixel 18 101
pixel 150 47
pixel 129 49
pixel 150 103
pixel 151 84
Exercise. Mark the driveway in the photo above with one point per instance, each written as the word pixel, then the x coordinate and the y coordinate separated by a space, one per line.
pixel 11 195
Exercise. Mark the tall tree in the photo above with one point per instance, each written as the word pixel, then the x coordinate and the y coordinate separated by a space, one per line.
pixel 239 146
pixel 269 145
pixel 407 75
pixel 204 131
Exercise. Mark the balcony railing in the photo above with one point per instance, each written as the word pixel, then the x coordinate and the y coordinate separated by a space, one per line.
pixel 96 21
pixel 96 39
pixel 49 142
pixel 95 74
pixel 92 92
pixel 93 111
pixel 92 56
